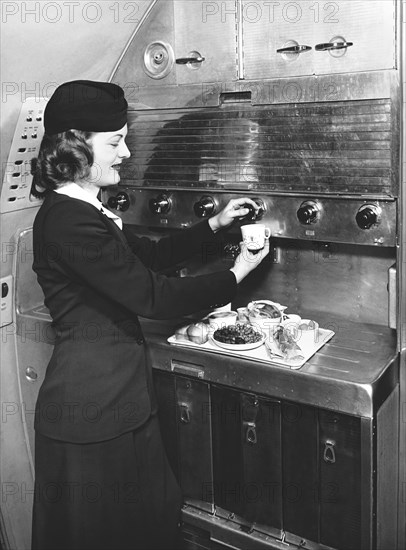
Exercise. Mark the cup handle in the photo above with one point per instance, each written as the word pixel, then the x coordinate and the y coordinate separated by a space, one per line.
pixel 267 233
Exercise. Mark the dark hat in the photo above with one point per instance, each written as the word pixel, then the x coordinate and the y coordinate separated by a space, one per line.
pixel 86 105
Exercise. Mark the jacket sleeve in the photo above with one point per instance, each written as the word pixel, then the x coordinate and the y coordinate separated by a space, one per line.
pixel 80 247
pixel 174 248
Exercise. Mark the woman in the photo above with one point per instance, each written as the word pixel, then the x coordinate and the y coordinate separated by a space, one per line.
pixel 102 478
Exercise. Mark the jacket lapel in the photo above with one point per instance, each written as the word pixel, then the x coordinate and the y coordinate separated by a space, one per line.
pixel 114 229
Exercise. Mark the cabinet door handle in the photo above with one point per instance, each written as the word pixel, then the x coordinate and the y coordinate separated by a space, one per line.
pixel 251 433
pixel 186 60
pixel 332 46
pixel 294 49
pixel 329 454
pixel 184 413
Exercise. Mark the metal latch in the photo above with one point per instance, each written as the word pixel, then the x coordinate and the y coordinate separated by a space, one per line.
pixel 194 57
pixel 251 433
pixel 294 49
pixel 329 454
pixel 337 45
pixel 184 413
pixel 187 368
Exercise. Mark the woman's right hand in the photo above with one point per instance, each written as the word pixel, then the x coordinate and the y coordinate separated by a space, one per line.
pixel 247 261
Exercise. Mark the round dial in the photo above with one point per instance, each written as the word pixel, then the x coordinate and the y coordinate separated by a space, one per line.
pixel 204 207
pixel 160 205
pixel 252 216
pixel 120 202
pixel 367 216
pixel 308 212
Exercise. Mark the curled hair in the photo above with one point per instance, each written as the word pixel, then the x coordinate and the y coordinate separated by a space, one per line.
pixel 62 158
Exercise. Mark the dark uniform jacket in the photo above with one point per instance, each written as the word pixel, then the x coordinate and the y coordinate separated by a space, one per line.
pixel 96 280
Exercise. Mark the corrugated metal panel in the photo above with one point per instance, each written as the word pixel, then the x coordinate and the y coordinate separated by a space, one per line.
pixel 324 148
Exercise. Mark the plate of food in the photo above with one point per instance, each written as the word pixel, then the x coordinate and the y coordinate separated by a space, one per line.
pixel 239 337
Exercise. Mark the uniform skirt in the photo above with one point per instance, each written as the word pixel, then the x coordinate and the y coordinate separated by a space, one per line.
pixel 118 494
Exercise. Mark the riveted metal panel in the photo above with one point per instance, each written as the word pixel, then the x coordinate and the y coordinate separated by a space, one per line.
pixel 208 29
pixel 330 148
pixel 272 26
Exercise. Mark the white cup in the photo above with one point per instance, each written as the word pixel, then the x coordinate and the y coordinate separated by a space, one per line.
pixel 307 336
pixel 254 235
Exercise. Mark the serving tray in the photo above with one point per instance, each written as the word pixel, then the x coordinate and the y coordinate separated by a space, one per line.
pixel 260 353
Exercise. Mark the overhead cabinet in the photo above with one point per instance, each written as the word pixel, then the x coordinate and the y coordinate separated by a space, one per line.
pixel 205 30
pixel 211 47
pixel 245 40
pixel 284 39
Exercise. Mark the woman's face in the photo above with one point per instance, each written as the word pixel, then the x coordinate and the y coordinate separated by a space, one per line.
pixel 109 150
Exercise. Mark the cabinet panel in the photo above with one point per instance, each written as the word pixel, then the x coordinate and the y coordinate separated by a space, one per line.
pixel 247 457
pixel 194 438
pixel 184 414
pixel 228 465
pixel 261 435
pixel 209 29
pixel 369 26
pixel 164 384
pixel 300 470
pixel 340 480
pixel 137 69
pixel 274 25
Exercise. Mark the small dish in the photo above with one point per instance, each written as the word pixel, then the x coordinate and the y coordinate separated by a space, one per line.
pixel 219 319
pixel 265 315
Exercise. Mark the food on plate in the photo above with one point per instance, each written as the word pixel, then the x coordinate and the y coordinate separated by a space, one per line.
pixel 198 332
pixel 265 315
pixel 265 309
pixel 285 345
pixel 237 334
pixel 243 315
pixel 181 333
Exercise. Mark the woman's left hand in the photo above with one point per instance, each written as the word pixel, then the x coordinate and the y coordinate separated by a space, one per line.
pixel 236 208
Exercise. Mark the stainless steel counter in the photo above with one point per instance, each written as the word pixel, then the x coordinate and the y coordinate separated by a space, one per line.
pixel 353 373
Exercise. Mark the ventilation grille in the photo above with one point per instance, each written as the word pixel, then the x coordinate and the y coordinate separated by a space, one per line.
pixel 328 148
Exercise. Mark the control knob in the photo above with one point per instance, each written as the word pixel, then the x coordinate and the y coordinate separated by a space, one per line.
pixel 252 215
pixel 367 216
pixel 308 212
pixel 204 207
pixel 120 202
pixel 160 205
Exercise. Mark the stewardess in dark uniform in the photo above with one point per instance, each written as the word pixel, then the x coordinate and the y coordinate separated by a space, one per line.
pixel 102 477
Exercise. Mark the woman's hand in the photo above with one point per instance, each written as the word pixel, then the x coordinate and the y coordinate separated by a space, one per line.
pixel 247 261
pixel 235 209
